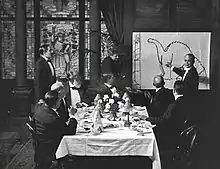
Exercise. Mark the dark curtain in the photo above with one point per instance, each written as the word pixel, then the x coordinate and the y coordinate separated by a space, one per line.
pixel 113 11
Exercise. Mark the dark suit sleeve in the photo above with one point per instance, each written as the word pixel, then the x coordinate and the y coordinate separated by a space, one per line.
pixel 192 81
pixel 41 79
pixel 179 71
pixel 165 116
pixel 72 126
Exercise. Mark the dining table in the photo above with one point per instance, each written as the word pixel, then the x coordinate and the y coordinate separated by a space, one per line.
pixel 116 146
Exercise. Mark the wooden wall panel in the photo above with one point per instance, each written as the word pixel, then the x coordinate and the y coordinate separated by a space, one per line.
pixel 184 14
pixel 150 14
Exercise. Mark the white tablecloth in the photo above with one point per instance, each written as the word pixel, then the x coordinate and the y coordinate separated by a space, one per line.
pixel 111 142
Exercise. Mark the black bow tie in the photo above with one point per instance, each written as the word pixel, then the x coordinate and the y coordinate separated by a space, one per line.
pixel 49 60
pixel 74 88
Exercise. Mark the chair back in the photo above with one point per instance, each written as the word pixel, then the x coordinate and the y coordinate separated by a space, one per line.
pixel 188 142
pixel 33 134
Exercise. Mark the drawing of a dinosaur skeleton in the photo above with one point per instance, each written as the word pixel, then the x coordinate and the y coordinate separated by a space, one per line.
pixel 169 54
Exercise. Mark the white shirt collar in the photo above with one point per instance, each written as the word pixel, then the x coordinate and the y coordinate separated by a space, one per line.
pixel 44 57
pixel 108 85
pixel 157 89
pixel 177 96
pixel 70 84
pixel 55 111
pixel 187 68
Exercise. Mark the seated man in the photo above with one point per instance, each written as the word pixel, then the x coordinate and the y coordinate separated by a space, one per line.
pixel 77 96
pixel 50 128
pixel 160 100
pixel 108 87
pixel 173 118
pixel 63 109
pixel 159 103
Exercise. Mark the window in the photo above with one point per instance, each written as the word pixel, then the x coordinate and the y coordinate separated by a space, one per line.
pixel 7 39
pixel 59 26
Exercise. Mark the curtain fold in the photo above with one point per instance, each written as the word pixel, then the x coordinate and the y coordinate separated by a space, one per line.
pixel 113 11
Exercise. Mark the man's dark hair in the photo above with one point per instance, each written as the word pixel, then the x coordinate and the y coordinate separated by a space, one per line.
pixel 107 77
pixel 192 57
pixel 43 48
pixel 51 98
pixel 179 87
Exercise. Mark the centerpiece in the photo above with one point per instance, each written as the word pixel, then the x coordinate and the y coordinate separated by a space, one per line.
pixel 127 108
pixel 97 126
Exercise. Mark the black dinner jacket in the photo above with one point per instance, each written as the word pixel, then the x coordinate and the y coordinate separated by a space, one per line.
pixel 63 110
pixel 175 116
pixel 160 101
pixel 84 96
pixel 50 129
pixel 43 78
pixel 191 81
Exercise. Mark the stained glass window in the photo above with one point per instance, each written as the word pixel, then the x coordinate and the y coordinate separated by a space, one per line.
pixel 30 8
pixel 87 53
pixel 8 49
pixel 30 49
pixel 87 8
pixel 59 24
pixel 59 8
pixel 63 36
pixel 7 8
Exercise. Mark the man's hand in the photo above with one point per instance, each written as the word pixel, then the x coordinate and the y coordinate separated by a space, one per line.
pixel 168 64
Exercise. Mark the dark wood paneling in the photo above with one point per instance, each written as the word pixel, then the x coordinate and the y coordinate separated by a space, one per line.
pixel 151 14
pixel 173 14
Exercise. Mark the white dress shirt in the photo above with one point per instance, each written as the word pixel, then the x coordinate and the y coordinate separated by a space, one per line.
pixel 50 65
pixel 177 96
pixel 75 96
pixel 186 71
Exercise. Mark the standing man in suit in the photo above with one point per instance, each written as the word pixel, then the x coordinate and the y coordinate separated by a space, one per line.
pixel 45 74
pixel 189 74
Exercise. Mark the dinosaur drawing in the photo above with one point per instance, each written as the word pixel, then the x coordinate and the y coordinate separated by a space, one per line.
pixel 170 54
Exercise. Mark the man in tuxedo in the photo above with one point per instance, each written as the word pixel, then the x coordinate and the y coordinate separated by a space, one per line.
pixel 173 118
pixel 77 95
pixel 108 87
pixel 189 75
pixel 45 74
pixel 50 129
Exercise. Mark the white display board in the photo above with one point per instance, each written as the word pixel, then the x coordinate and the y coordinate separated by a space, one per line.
pixel 152 50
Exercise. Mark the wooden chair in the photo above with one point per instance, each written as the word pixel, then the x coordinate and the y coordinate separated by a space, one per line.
pixel 183 154
pixel 33 134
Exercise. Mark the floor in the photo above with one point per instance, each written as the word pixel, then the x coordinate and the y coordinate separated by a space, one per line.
pixel 14 140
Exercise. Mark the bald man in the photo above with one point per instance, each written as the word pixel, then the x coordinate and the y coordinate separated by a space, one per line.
pixel 161 99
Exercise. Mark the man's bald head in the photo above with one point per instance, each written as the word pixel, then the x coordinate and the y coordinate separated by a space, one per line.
pixel 158 81
pixel 59 87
